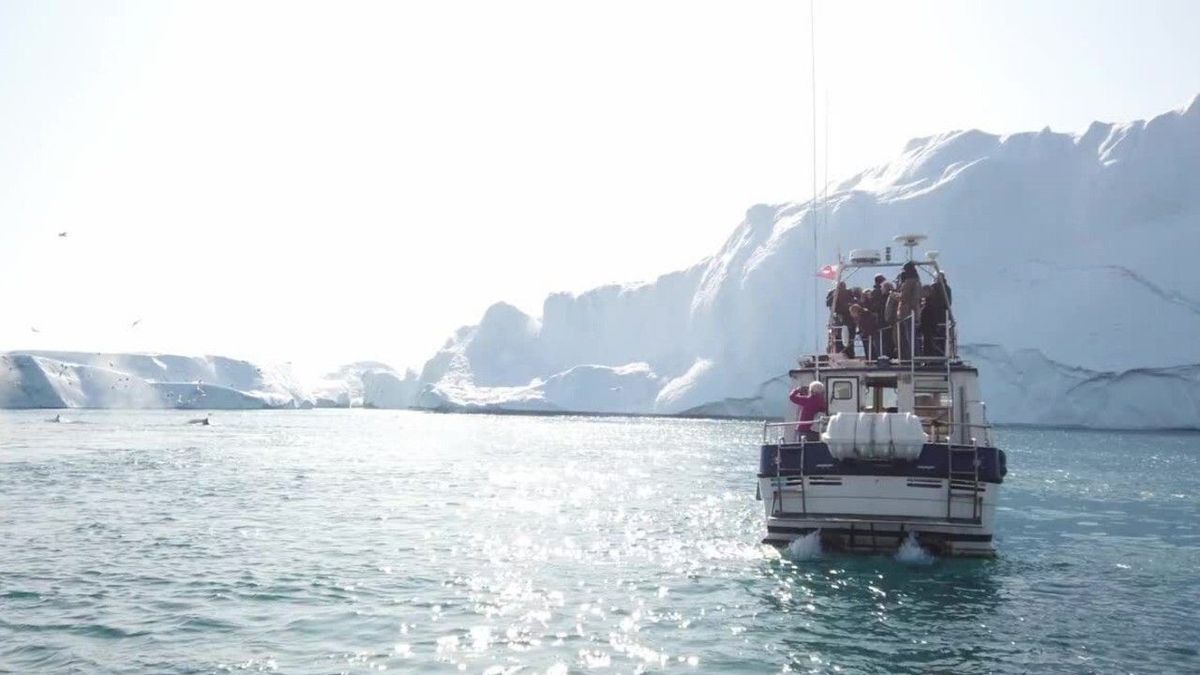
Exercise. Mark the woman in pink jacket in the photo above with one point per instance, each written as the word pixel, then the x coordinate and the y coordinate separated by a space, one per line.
pixel 811 400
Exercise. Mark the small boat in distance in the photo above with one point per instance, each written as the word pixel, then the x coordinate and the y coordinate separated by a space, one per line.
pixel 904 450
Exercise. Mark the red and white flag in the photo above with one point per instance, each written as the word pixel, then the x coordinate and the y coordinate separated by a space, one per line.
pixel 829 272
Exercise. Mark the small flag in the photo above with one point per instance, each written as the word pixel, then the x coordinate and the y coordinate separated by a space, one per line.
pixel 829 272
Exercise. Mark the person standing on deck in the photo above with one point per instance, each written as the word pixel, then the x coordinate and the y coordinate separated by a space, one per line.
pixel 908 307
pixel 877 304
pixel 868 303
pixel 839 300
pixel 868 328
pixel 879 295
pixel 934 316
pixel 811 401
pixel 888 318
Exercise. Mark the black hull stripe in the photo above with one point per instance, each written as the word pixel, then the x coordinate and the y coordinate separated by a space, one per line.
pixel 955 552
pixel 866 533
pixel 935 461
pixel 793 473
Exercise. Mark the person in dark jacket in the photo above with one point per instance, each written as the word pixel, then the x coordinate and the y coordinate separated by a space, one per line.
pixel 934 316
pixel 834 300
pixel 868 327
pixel 878 305
pixel 891 302
pixel 869 303
pixel 838 301
pixel 880 297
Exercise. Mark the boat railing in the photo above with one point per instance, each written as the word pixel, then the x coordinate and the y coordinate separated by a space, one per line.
pixel 967 433
pixel 786 432
pixel 919 362
pixel 782 430
pixel 837 333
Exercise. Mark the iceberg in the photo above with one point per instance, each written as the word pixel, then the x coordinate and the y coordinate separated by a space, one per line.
pixel 1069 254
pixel 365 384
pixel 385 388
pixel 52 379
pixel 47 379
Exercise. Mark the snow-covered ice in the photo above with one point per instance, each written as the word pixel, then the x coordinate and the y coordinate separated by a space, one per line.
pixel 1069 256
pixel 47 379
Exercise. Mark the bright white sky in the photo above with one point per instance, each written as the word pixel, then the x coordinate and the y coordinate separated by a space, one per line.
pixel 340 181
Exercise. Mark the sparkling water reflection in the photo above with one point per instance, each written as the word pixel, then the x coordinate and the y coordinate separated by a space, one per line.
pixel 355 541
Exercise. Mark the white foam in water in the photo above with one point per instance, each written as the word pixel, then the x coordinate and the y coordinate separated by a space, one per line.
pixel 807 547
pixel 911 553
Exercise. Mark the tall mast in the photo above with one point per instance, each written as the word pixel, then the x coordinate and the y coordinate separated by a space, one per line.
pixel 812 28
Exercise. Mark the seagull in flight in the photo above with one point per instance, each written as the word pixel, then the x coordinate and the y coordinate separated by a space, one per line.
pixel 135 323
pixel 32 328
pixel 62 234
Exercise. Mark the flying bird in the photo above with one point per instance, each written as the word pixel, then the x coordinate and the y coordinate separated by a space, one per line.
pixel 34 329
pixel 135 323
pixel 62 234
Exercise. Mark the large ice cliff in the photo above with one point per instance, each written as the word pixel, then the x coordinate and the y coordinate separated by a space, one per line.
pixel 1070 256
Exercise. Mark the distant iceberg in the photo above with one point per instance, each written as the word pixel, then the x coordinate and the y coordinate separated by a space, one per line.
pixel 47 379
pixel 59 379
pixel 365 384
pixel 1070 256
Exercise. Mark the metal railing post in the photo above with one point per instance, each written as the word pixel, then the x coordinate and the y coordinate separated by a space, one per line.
pixel 778 482
pixel 912 343
pixel 946 350
pixel 803 499
pixel 949 384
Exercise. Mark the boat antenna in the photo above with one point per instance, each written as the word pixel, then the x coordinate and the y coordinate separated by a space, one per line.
pixel 812 31
pixel 825 179
pixel 909 241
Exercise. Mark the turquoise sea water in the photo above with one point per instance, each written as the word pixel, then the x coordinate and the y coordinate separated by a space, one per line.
pixel 359 541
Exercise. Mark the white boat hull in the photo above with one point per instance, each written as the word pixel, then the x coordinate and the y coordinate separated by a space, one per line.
pixel 877 513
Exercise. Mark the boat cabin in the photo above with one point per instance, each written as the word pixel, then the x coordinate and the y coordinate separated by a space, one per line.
pixel 946 399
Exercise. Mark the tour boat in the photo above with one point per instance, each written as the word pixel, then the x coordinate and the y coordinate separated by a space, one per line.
pixel 905 449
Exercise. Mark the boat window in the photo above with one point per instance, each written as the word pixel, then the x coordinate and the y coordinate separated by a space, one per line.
pixel 881 395
pixel 930 384
pixel 931 399
pixel 934 409
pixel 842 391
pixel 890 401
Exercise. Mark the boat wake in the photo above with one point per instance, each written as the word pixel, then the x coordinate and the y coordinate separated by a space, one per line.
pixel 807 547
pixel 911 553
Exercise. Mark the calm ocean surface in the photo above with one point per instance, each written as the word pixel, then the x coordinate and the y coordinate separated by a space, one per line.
pixel 359 541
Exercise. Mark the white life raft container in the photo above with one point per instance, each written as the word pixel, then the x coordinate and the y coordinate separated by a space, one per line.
pixel 874 436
